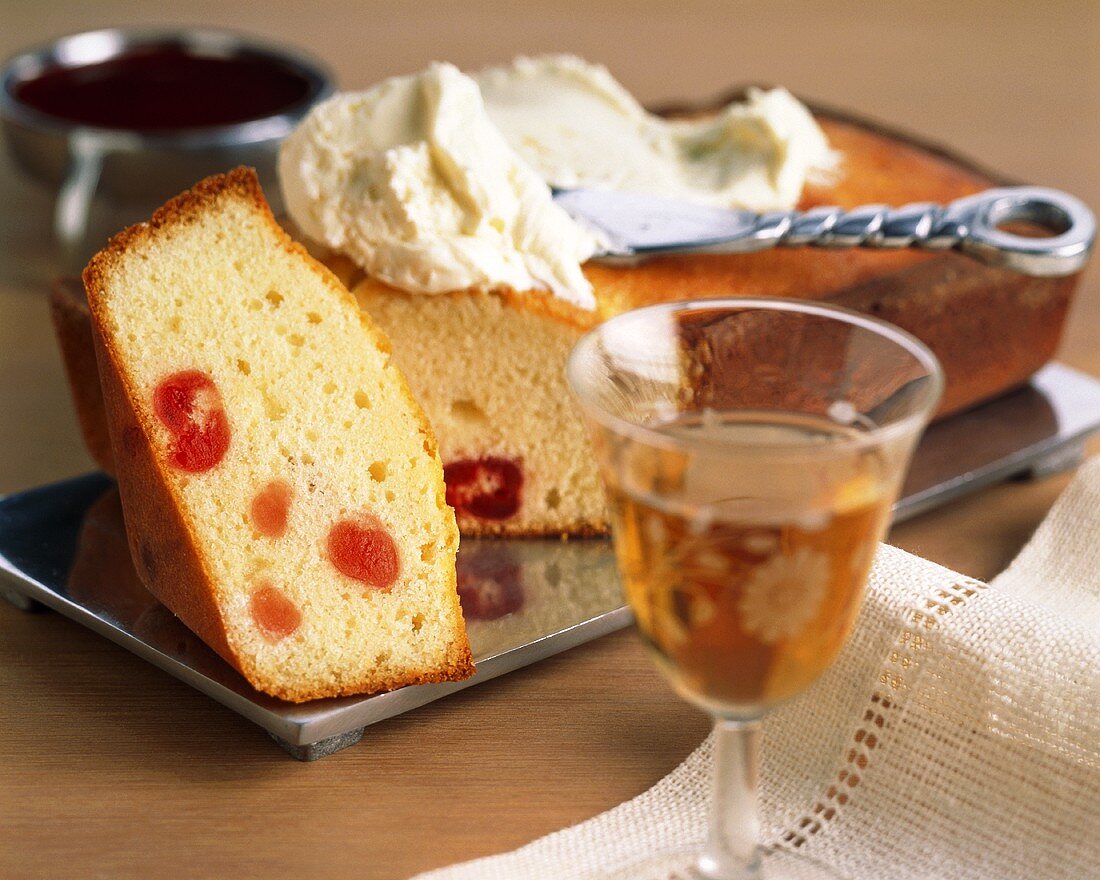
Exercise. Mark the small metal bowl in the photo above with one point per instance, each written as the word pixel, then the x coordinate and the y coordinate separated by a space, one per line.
pixel 141 166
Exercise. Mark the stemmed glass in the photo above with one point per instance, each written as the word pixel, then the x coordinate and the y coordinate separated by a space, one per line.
pixel 751 450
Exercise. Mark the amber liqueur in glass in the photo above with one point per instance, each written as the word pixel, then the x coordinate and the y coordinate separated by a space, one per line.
pixel 746 570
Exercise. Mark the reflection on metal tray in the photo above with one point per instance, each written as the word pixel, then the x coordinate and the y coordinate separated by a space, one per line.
pixel 63 545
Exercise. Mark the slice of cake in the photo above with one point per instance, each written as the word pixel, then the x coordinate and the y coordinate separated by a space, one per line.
pixel 282 490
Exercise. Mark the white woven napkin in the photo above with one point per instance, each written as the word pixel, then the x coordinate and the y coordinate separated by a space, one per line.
pixel 957 736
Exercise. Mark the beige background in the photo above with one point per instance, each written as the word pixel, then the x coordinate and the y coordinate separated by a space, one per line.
pixel 115 770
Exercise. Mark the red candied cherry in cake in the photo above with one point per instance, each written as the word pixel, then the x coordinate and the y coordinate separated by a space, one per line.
pixel 189 406
pixel 487 488
pixel 271 508
pixel 363 550
pixel 274 614
pixel 490 583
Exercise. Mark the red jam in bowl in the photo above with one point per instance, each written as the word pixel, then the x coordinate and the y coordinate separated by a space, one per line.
pixel 165 88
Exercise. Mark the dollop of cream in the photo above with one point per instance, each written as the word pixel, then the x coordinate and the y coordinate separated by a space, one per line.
pixel 439 181
pixel 413 181
pixel 578 127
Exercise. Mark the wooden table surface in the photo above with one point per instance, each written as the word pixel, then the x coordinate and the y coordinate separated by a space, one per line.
pixel 112 769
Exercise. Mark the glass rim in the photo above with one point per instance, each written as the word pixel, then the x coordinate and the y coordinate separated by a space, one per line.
pixel 876 436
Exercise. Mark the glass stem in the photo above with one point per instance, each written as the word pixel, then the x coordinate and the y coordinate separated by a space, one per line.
pixel 731 851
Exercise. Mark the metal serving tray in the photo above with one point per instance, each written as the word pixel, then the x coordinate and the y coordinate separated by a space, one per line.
pixel 63 546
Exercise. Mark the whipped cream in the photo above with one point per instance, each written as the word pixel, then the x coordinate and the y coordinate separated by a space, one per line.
pixel 578 127
pixel 439 181
pixel 413 181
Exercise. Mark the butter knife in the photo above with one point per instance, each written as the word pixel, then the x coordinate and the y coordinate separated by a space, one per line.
pixel 635 226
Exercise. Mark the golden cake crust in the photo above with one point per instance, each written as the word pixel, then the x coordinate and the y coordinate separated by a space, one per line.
pixel 161 537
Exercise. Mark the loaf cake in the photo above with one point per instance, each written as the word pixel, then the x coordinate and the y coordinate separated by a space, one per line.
pixel 515 450
pixel 282 490
pixel 436 186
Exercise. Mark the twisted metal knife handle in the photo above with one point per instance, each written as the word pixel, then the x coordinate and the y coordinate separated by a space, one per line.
pixel 971 225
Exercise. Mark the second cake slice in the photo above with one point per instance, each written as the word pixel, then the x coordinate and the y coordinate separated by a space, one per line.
pixel 282 490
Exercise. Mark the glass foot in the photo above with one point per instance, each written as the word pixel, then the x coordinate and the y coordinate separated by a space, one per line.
pixel 773 865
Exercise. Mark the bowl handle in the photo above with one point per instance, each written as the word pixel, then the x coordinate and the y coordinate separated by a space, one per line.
pixel 74 198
